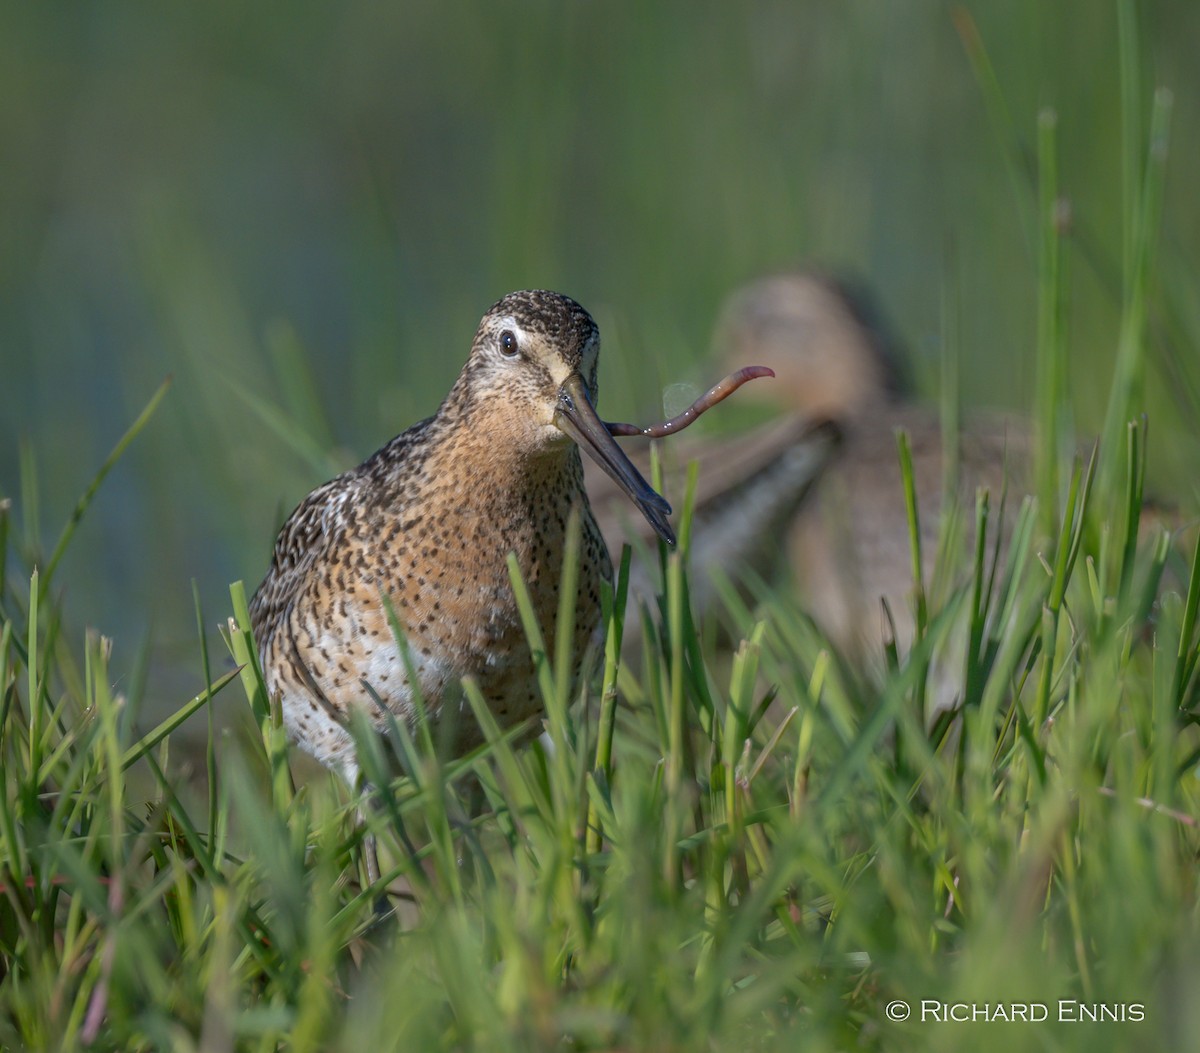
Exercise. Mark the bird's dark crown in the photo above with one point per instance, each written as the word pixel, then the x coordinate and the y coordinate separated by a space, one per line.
pixel 526 346
pixel 558 319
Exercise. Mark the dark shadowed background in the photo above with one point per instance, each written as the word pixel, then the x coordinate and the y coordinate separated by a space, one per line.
pixel 300 211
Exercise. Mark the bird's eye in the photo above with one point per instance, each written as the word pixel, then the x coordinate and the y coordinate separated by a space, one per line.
pixel 508 344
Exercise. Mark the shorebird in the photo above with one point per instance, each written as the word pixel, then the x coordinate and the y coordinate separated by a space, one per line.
pixel 426 525
pixel 849 548
pixel 837 520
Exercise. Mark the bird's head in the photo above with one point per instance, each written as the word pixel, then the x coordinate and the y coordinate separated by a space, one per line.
pixel 820 336
pixel 532 372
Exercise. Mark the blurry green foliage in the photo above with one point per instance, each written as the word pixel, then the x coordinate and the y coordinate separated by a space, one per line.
pixel 310 205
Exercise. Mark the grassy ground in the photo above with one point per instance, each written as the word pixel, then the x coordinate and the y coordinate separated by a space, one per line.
pixel 749 852
pixel 726 851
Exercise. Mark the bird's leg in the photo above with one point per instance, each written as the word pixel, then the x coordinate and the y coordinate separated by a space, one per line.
pixel 370 804
pixel 370 851
pixel 368 799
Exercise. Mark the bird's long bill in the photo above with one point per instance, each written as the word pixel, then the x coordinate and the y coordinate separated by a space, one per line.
pixel 576 416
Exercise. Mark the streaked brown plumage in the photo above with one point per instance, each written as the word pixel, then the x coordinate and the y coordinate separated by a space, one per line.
pixel 428 521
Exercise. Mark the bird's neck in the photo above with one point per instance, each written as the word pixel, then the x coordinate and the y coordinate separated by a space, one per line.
pixel 492 466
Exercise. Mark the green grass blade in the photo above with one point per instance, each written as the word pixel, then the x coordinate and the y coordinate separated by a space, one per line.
pixel 81 506
pixel 614 619
pixel 1051 347
pixel 1187 653
pixel 147 742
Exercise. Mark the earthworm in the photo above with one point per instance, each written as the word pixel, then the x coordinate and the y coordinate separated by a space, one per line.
pixel 705 402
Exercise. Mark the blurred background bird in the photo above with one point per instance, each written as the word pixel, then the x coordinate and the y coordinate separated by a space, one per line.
pixel 835 524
